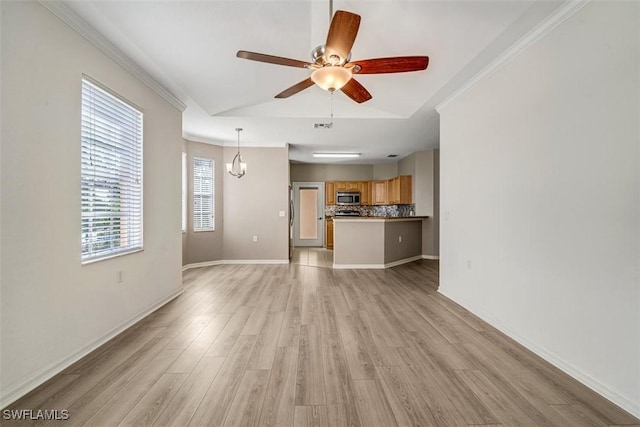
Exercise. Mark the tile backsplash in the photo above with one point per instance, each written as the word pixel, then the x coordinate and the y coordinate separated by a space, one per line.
pixel 387 210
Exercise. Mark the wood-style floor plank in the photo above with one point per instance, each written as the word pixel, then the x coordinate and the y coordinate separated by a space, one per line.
pixel 301 345
pixel 246 406
pixel 179 410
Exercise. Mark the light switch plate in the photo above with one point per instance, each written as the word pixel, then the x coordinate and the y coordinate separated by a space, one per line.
pixel 281 213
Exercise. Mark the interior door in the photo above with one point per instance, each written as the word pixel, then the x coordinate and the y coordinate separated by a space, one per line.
pixel 308 225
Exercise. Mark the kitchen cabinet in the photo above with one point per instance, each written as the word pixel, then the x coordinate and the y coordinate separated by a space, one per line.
pixel 399 190
pixel 346 185
pixel 329 193
pixel 365 192
pixel 329 233
pixel 379 192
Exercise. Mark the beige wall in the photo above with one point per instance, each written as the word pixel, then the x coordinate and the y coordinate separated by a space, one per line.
pixel 385 170
pixel 306 172
pixel 431 225
pixel 205 246
pixel 184 235
pixel 252 205
pixel 541 199
pixel 53 308
pixel 423 166
pixel 411 244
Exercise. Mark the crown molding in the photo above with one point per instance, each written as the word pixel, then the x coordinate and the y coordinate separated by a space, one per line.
pixel 61 10
pixel 556 18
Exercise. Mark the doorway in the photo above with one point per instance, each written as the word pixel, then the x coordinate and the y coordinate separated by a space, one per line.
pixel 308 220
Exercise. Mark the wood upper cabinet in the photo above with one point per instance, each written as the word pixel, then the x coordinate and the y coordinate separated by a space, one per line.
pixel 346 185
pixel 329 193
pixel 379 192
pixel 399 190
pixel 365 192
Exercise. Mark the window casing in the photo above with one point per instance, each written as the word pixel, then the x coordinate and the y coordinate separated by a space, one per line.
pixel 184 192
pixel 203 194
pixel 111 174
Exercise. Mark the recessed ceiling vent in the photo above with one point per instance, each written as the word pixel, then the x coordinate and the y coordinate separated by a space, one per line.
pixel 322 125
pixel 392 155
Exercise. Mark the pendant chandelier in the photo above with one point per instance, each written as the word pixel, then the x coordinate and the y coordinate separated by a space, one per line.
pixel 237 168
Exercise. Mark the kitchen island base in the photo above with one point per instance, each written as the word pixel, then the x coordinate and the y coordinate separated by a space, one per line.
pixel 376 243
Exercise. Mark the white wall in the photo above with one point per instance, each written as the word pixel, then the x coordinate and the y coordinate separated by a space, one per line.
pixel 53 308
pixel 252 205
pixel 540 199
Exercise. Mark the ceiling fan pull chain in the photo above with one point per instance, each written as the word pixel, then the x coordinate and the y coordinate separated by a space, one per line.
pixel 331 110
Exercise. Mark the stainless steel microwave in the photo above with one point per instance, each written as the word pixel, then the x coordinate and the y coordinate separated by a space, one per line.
pixel 348 198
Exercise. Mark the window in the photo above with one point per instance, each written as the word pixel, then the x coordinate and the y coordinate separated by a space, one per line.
pixel 111 170
pixel 203 219
pixel 184 192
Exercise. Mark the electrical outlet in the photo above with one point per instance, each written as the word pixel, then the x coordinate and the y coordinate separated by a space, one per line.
pixel 400 239
pixel 255 239
pixel 281 213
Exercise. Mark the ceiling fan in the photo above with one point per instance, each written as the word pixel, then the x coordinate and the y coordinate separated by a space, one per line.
pixel 331 63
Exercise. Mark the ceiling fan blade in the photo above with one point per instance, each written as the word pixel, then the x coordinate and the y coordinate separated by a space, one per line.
pixel 356 91
pixel 342 34
pixel 399 64
pixel 278 60
pixel 299 87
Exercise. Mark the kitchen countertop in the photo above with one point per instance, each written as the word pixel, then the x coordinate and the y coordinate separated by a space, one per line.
pixel 377 218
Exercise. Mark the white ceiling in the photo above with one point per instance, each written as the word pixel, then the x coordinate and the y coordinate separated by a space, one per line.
pixel 190 47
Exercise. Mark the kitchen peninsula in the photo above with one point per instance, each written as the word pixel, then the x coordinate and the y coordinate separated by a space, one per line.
pixel 376 242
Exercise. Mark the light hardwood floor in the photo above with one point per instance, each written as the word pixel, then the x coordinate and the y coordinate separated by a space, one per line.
pixel 296 345
pixel 312 257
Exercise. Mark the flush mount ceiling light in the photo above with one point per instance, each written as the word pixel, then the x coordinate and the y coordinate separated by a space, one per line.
pixel 237 168
pixel 337 155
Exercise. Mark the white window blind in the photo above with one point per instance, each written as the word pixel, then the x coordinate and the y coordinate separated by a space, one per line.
pixel 203 202
pixel 184 192
pixel 111 174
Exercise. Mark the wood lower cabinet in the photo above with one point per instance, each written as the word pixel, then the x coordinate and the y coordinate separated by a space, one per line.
pixel 329 233
pixel 330 193
pixel 379 192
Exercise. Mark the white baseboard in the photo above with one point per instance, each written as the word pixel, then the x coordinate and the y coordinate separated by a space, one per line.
pixel 234 261
pixel 625 403
pixel 375 266
pixel 436 257
pixel 358 266
pixel 15 393
pixel 201 264
pixel 402 261
pixel 256 261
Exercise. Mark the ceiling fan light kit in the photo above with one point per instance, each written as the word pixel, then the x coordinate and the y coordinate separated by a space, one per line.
pixel 331 77
pixel 332 68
